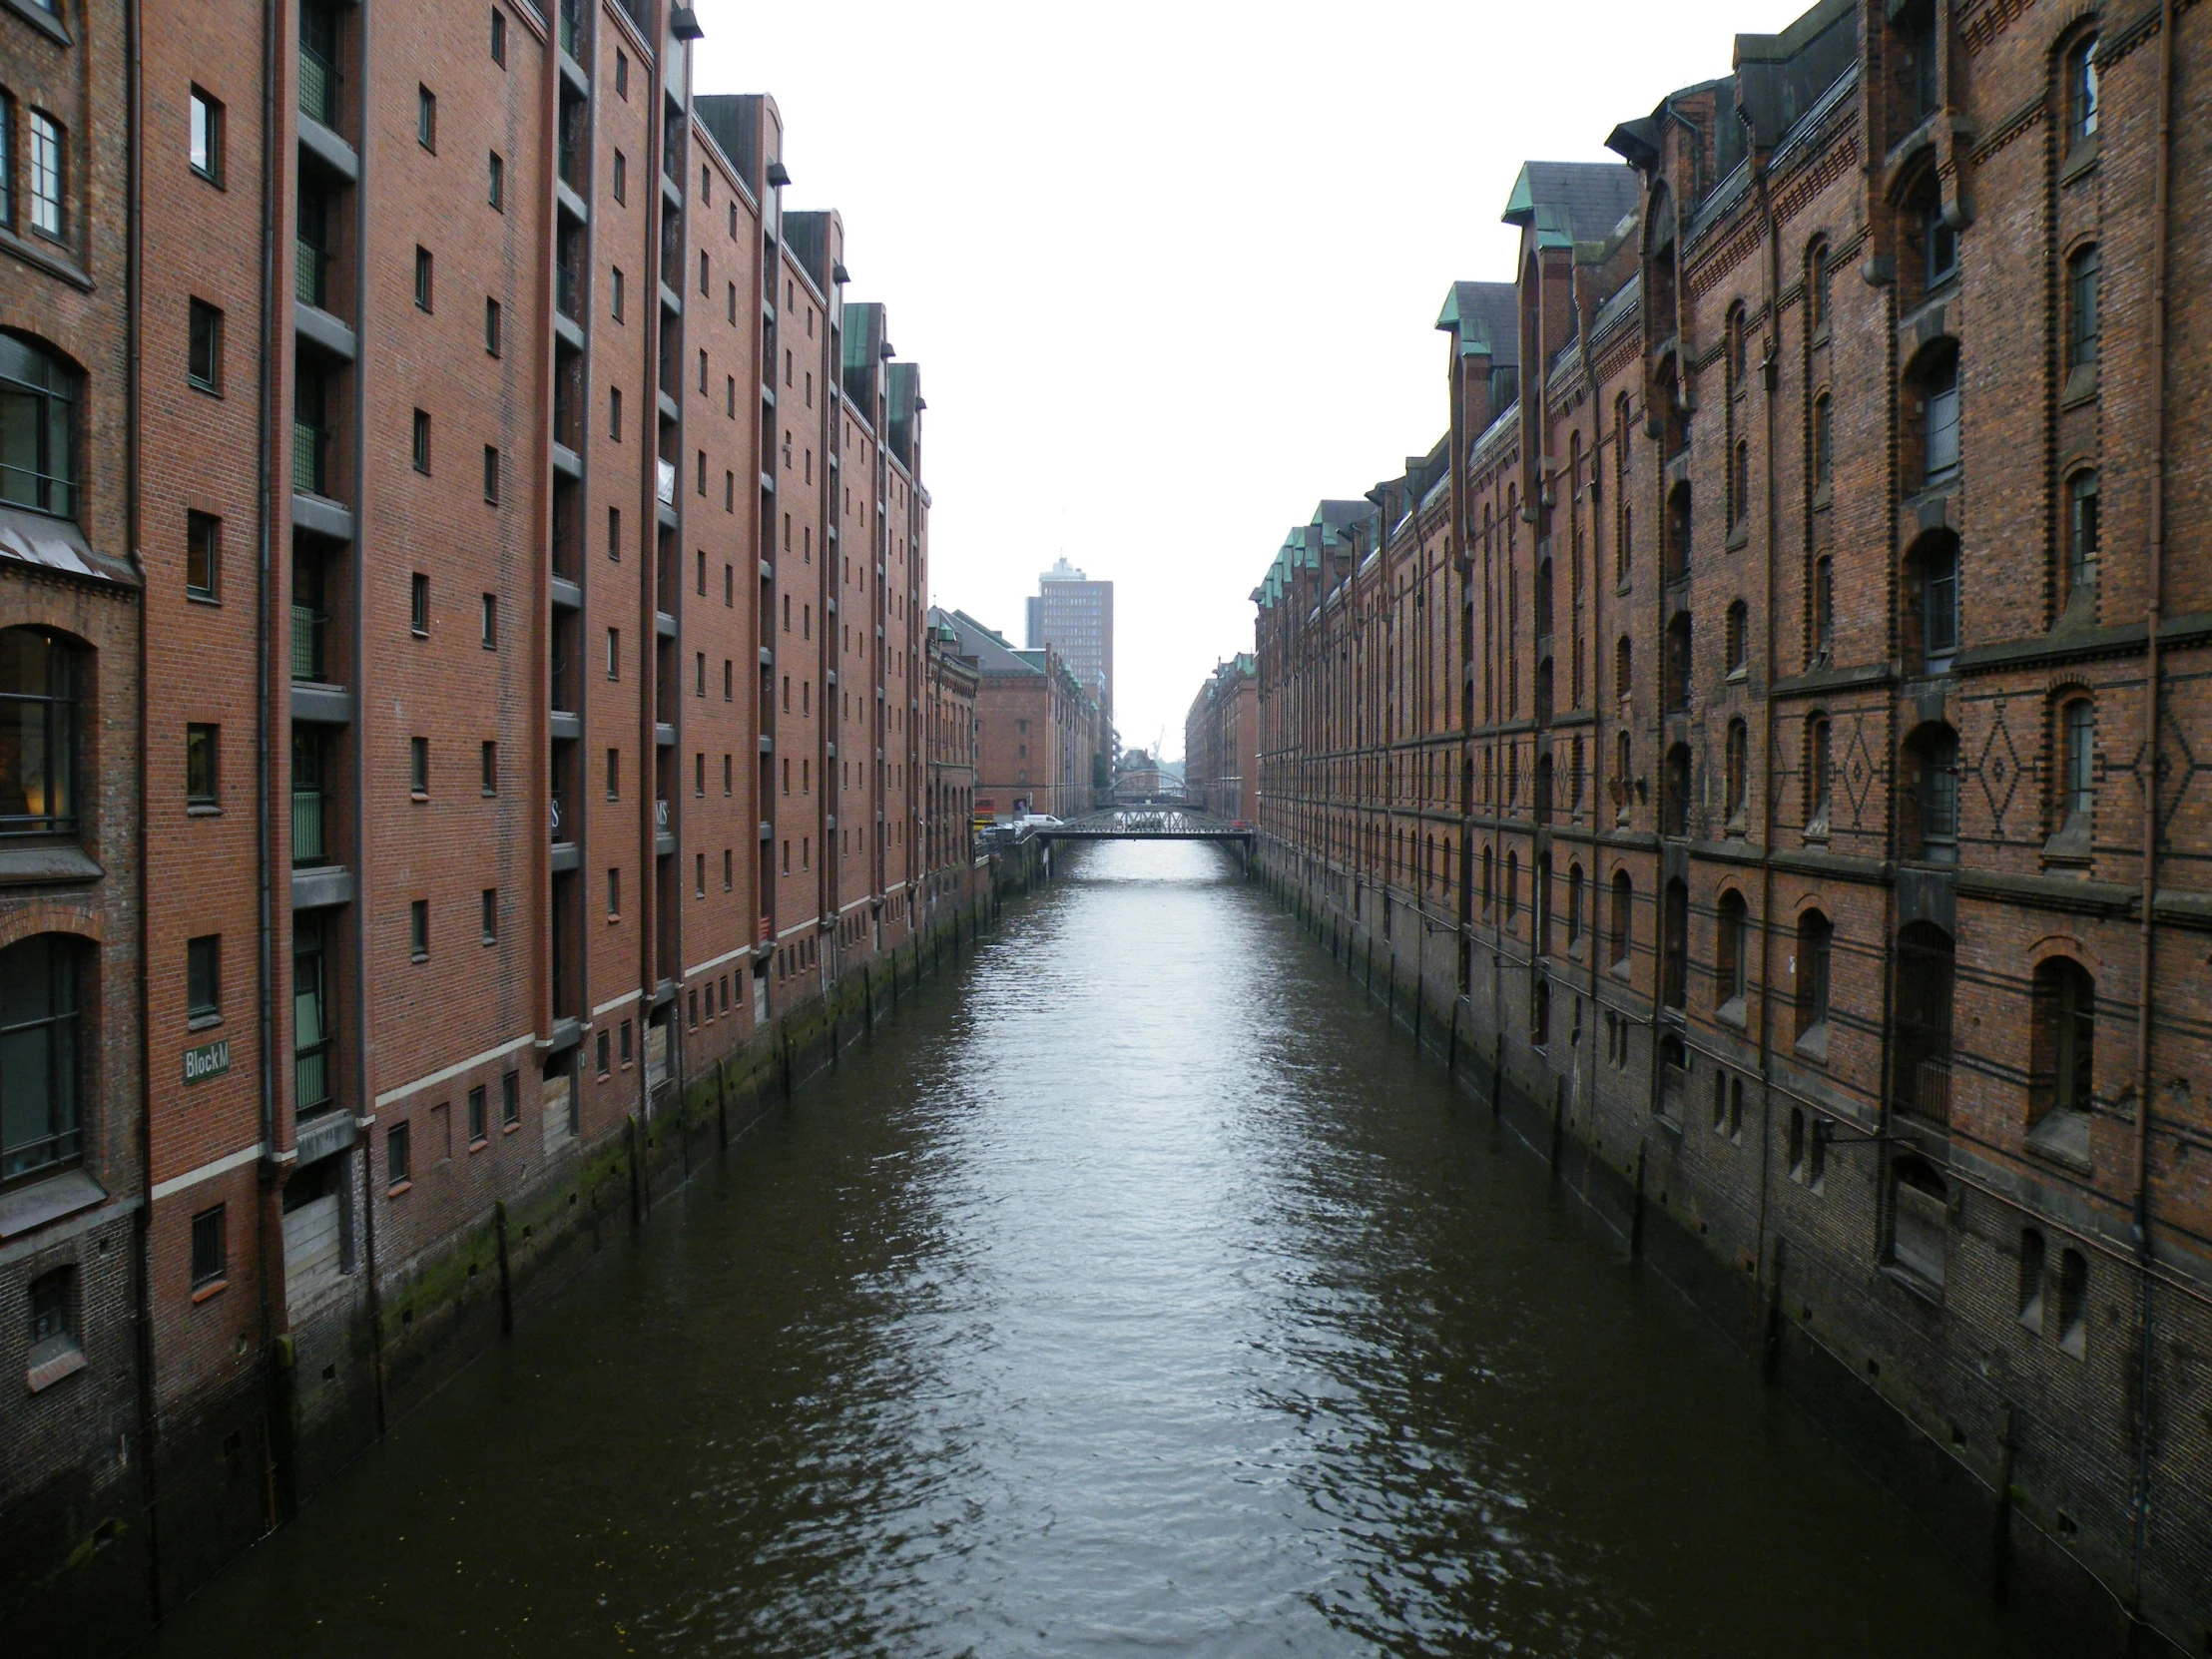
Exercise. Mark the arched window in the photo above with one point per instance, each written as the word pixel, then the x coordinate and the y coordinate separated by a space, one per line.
pixel 1623 922
pixel 2062 1066
pixel 1817 289
pixel 1921 1219
pixel 1731 636
pixel 1675 809
pixel 1824 442
pixel 1738 768
pixel 40 1115
pixel 1674 943
pixel 2081 309
pixel 38 427
pixel 2077 758
pixel 38 733
pixel 1623 783
pixel 1815 935
pixel 1926 974
pixel 1815 774
pixel 1939 398
pixel 2082 91
pixel 1931 571
pixel 2080 575
pixel 1678 662
pixel 1738 350
pixel 1731 951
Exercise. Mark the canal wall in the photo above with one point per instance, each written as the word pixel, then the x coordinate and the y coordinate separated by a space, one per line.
pixel 1704 1179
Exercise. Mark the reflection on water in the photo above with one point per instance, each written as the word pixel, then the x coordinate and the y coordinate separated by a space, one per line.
pixel 1136 1291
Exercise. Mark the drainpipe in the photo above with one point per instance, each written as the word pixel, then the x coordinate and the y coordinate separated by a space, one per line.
pixel 2161 227
pixel 142 1216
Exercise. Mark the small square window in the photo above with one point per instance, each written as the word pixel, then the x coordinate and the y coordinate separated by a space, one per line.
pixel 427 119
pixel 203 777
pixel 489 901
pixel 418 930
pixel 422 440
pixel 202 554
pixel 491 474
pixel 206 137
pixel 204 977
pixel 399 1161
pixel 491 766
pixel 499 37
pixel 419 765
pixel 210 1258
pixel 478 1126
pixel 495 189
pixel 203 347
pixel 495 334
pixel 422 278
pixel 510 1099
pixel 419 603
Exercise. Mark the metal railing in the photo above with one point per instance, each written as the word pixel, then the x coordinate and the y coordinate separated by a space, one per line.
pixel 310 846
pixel 319 87
pixel 307 625
pixel 311 1077
pixel 311 278
pixel 310 474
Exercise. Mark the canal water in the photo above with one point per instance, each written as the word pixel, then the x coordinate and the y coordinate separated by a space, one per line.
pixel 1135 1292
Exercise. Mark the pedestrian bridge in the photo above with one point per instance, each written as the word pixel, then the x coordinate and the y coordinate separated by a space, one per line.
pixel 1148 823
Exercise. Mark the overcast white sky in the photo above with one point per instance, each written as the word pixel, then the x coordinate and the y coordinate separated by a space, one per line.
pixel 1170 270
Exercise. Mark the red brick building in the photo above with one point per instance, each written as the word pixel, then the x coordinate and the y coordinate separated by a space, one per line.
pixel 948 790
pixel 1220 740
pixel 1041 739
pixel 521 543
pixel 1762 730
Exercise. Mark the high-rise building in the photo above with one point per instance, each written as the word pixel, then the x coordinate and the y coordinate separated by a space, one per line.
pixel 1075 616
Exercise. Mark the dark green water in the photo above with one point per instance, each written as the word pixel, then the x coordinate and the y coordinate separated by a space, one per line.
pixel 1136 1292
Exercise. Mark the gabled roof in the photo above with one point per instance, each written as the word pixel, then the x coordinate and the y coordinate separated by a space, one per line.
pixel 989 648
pixel 1487 316
pixel 1570 201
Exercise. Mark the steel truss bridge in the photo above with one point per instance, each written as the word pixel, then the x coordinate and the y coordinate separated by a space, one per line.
pixel 1149 824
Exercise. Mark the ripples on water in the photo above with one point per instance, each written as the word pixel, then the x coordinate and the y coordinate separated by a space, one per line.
pixel 1136 1292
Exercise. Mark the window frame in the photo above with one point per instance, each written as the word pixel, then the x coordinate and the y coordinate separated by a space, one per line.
pixel 204 146
pixel 51 402
pixel 58 1030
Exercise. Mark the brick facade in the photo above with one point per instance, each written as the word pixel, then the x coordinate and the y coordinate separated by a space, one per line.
pixel 1763 682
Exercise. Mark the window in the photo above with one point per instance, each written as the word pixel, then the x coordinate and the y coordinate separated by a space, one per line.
pixel 40 1114
pixel 496 184
pixel 38 428
pixel 2082 535
pixel 419 765
pixel 422 278
pixel 46 174
pixel 614 773
pixel 478 1127
pixel 728 867
pixel 1738 771
pixel 38 734
pixel 1815 774
pixel 614 535
pixel 398 1164
pixel 499 57
pixel 622 178
pixel 1940 417
pixel 491 622
pixel 614 292
pixel 2062 1048
pixel 614 413
pixel 488 919
pixel 203 347
pixel 210 1256
pixel 1674 943
pixel 51 1335
pixel 1818 290
pixel 1815 935
pixel 1824 442
pixel 614 652
pixel 1939 247
pixel 206 137
pixel 427 119
pixel 622 75
pixel 1739 491
pixel 421 441
pixel 2081 309
pixel 491 474
pixel 510 1099
pixel 2077 724
pixel 614 896
pixel 1732 636
pixel 2082 91
pixel 203 978
pixel 1935 754
pixel 1824 606
pixel 418 930
pixel 419 603
pixel 203 777
pixel 490 763
pixel 1938 574
pixel 606 1051
pixel 2073 1301
pixel 1927 975
pixel 202 554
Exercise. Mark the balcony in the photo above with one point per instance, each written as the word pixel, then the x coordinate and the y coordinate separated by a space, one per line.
pixel 319 87
pixel 308 627
pixel 312 275
pixel 311 1078
pixel 310 458
pixel 310 841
